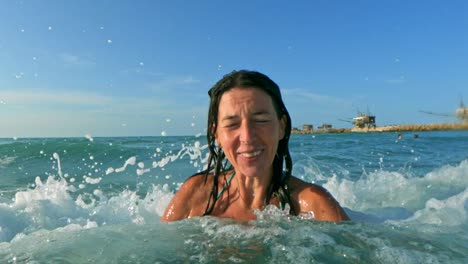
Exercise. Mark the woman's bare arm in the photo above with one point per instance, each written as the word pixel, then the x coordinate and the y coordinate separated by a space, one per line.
pixel 316 199
pixel 187 202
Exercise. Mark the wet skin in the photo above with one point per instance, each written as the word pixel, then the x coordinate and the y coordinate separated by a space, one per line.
pixel 249 130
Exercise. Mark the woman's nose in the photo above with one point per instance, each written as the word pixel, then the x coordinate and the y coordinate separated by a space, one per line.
pixel 247 132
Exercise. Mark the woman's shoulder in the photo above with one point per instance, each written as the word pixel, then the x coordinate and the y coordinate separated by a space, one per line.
pixel 189 199
pixel 198 181
pixel 299 186
pixel 198 178
pixel 314 198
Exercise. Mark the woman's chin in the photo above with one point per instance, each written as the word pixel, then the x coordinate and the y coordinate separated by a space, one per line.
pixel 251 172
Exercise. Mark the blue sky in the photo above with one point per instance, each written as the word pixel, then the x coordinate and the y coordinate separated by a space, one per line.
pixel 143 68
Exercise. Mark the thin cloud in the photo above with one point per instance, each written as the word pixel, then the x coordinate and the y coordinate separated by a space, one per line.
pixel 306 107
pixel 395 81
pixel 45 97
pixel 139 70
pixel 317 98
pixel 79 101
pixel 399 80
pixel 74 113
pixel 76 60
pixel 174 82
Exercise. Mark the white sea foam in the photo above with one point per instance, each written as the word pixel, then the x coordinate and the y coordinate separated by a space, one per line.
pixel 59 166
pixel 109 170
pixel 194 152
pixel 449 212
pixel 89 137
pixel 50 206
pixel 140 172
pixel 129 161
pixel 441 192
pixel 92 180
pixel 53 216
pixel 5 161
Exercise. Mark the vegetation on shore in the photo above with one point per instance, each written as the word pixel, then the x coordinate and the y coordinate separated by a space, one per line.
pixel 392 128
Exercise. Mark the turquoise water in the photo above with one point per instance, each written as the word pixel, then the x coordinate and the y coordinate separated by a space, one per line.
pixel 99 200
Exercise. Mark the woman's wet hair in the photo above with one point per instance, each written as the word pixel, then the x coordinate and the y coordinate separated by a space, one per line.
pixel 217 161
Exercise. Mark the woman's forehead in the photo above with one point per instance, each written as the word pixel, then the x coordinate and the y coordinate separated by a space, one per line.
pixel 241 94
pixel 252 98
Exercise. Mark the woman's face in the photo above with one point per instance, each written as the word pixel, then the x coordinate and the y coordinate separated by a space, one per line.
pixel 249 130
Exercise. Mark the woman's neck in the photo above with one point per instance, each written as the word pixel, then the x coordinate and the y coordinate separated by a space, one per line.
pixel 253 191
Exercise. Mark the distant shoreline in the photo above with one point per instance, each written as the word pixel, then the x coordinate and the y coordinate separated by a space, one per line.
pixel 390 128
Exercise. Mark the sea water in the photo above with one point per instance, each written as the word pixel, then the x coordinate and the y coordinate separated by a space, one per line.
pixel 99 200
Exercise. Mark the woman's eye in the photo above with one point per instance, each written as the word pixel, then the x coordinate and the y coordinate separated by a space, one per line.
pixel 230 124
pixel 262 120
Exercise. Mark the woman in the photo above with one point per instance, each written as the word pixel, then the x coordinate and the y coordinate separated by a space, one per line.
pixel 248 135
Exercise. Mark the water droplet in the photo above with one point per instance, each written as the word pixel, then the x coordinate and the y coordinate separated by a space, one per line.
pixel 89 137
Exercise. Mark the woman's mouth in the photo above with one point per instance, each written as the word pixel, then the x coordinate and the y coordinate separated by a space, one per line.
pixel 251 154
